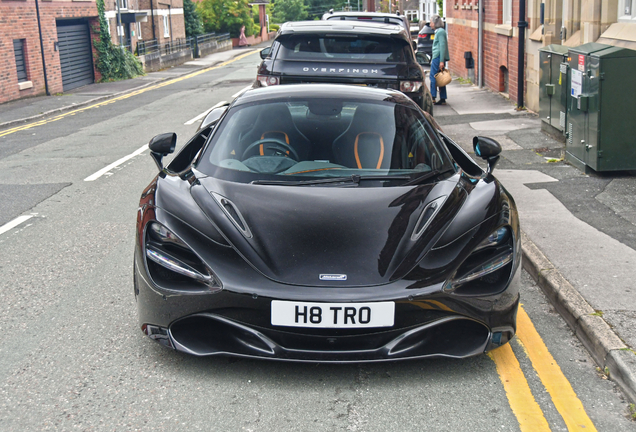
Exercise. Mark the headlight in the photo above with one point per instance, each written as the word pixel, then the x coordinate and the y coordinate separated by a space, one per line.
pixel 173 265
pixel 487 269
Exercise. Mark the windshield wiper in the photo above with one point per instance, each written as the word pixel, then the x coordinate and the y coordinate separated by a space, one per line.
pixel 352 179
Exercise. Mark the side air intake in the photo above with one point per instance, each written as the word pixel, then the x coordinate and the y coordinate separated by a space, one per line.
pixel 232 212
pixel 427 216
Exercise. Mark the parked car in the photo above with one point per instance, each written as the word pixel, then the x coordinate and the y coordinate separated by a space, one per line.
pixel 326 223
pixel 371 17
pixel 425 39
pixel 357 53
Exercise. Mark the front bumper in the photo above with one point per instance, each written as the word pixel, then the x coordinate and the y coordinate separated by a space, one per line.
pixel 428 323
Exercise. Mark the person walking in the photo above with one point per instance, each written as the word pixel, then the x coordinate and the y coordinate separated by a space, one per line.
pixel 439 57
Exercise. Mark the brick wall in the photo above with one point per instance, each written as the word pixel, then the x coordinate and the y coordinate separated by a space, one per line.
pixel 500 51
pixel 18 21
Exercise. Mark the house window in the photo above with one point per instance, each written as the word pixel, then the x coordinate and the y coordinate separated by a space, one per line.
pixel 123 4
pixel 139 31
pixel 506 12
pixel 627 10
pixel 166 26
pixel 20 61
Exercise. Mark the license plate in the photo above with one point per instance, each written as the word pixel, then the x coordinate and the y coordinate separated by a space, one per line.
pixel 432 36
pixel 332 315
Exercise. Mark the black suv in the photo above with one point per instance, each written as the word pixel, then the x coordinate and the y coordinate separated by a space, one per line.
pixel 344 52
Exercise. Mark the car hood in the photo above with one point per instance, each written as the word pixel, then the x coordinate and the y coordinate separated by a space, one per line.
pixel 295 234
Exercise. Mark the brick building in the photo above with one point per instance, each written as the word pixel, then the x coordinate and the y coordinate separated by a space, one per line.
pixel 146 20
pixel 572 23
pixel 67 34
pixel 500 42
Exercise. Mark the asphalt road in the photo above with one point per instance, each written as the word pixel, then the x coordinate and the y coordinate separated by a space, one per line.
pixel 73 357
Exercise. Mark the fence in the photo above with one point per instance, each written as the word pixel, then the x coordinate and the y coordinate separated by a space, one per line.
pixel 165 48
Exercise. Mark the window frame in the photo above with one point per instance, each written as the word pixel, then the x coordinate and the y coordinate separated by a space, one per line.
pixel 139 37
pixel 623 16
pixel 22 73
pixel 506 12
pixel 166 26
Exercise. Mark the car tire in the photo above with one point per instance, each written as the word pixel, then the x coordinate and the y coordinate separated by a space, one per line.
pixel 427 103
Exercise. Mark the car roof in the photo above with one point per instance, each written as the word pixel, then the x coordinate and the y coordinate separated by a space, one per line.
pixel 364 14
pixel 337 26
pixel 326 91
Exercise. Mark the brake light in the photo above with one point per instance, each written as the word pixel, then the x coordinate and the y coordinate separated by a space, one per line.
pixel 410 86
pixel 422 36
pixel 268 80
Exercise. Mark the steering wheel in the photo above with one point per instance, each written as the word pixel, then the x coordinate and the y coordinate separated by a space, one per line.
pixel 271 143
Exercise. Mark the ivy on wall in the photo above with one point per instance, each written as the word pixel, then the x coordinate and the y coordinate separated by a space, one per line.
pixel 113 62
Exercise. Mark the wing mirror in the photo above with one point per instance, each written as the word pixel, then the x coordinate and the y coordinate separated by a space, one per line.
pixel 265 52
pixel 487 149
pixel 214 115
pixel 162 145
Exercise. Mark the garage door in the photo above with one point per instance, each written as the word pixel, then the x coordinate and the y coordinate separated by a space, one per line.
pixel 76 58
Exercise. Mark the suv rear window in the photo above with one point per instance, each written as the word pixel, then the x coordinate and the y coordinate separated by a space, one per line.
pixel 345 48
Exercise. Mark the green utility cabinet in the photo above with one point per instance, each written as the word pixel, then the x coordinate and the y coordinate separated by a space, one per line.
pixel 553 85
pixel 601 113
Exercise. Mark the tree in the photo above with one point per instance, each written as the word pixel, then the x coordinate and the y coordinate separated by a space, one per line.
pixel 289 10
pixel 193 22
pixel 113 62
pixel 317 8
pixel 226 16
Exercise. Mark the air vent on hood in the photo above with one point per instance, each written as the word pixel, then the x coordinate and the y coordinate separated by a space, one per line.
pixel 427 216
pixel 233 214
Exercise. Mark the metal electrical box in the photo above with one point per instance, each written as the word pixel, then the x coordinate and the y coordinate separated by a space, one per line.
pixel 553 85
pixel 601 120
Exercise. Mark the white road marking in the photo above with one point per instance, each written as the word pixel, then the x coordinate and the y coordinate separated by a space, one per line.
pixel 14 223
pixel 242 90
pixel 115 164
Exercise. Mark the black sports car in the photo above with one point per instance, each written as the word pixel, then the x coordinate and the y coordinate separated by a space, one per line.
pixel 345 52
pixel 326 223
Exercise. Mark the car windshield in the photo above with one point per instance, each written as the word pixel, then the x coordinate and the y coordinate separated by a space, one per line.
pixel 345 48
pixel 304 140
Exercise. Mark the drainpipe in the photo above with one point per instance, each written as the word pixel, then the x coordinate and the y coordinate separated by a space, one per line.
pixel 170 21
pixel 152 19
pixel 46 83
pixel 120 29
pixel 522 24
pixel 480 47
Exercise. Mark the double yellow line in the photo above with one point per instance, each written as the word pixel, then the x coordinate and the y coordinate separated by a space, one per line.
pixel 526 409
pixel 122 97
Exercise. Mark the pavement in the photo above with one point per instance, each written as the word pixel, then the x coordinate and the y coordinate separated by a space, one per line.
pixel 579 230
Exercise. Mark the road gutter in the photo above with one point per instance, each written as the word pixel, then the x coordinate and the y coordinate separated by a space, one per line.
pixel 605 347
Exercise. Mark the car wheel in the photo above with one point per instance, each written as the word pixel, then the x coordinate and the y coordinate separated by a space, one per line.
pixel 427 104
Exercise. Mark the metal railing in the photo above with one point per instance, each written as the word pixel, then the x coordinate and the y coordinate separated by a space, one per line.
pixel 164 48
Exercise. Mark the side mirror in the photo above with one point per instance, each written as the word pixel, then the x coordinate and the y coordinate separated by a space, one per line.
pixel 487 149
pixel 414 43
pixel 213 116
pixel 421 58
pixel 265 52
pixel 162 145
